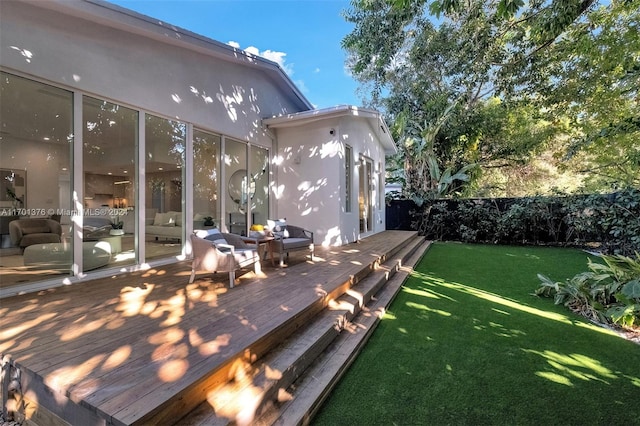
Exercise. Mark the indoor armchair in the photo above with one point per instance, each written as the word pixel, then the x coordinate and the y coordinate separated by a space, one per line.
pixel 27 232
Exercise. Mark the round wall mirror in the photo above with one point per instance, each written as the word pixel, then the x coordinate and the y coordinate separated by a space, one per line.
pixel 239 191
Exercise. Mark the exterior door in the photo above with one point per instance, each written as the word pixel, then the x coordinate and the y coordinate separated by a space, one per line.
pixel 365 199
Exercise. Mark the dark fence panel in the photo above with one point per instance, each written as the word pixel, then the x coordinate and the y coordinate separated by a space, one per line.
pixel 399 215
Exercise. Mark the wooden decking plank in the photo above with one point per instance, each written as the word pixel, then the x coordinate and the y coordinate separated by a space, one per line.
pixel 49 333
pixel 283 365
pixel 135 325
pixel 81 304
pixel 254 343
pixel 139 326
pixel 253 339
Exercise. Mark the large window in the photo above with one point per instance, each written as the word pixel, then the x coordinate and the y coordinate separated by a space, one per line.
pixel 366 195
pixel 239 189
pixel 127 187
pixel 164 168
pixel 109 158
pixel 206 180
pixel 348 184
pixel 259 176
pixel 36 123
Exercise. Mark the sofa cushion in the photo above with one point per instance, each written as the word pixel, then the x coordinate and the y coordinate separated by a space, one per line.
pixel 164 219
pixel 164 231
pixel 293 243
pixel 212 235
pixel 204 233
pixel 177 218
pixel 35 229
pixel 39 238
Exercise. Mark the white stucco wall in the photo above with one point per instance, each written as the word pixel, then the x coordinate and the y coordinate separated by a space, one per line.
pixel 310 173
pixel 131 69
pixel 364 140
pixel 308 190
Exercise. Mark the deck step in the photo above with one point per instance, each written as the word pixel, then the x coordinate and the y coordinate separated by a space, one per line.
pixel 309 392
pixel 259 389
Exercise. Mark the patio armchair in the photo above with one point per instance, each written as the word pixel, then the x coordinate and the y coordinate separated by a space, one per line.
pixel 289 238
pixel 221 252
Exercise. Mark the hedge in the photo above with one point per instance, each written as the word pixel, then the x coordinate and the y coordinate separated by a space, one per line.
pixel 609 223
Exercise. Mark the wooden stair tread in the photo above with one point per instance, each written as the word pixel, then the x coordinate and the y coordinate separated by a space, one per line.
pixel 313 388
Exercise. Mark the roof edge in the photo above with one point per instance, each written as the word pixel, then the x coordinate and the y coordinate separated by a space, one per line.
pixel 305 117
pixel 115 16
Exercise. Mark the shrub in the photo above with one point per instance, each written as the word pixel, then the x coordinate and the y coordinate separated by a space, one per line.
pixel 477 220
pixel 610 223
pixel 609 292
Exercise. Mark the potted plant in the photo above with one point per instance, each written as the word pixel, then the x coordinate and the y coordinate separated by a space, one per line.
pixel 116 226
pixel 208 221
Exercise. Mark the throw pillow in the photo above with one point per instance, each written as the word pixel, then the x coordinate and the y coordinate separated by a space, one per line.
pixel 207 233
pixel 278 227
pixel 212 235
pixel 159 219
pixel 178 218
pixel 164 219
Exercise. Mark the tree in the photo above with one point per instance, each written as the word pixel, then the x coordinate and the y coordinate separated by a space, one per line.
pixel 594 77
pixel 473 70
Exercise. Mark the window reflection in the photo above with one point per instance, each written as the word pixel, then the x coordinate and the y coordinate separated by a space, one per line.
pixel 35 218
pixel 206 167
pixel 260 178
pixel 164 168
pixel 109 152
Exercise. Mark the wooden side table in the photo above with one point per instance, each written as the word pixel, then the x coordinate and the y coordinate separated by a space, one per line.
pixel 265 243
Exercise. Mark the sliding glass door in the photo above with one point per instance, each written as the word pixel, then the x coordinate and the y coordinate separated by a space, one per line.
pixel 110 136
pixel 36 141
pixel 206 180
pixel 164 167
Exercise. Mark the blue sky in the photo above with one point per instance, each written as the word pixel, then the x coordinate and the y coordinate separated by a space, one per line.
pixel 303 36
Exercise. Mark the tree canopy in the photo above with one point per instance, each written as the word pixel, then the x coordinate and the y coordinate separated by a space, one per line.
pixel 499 84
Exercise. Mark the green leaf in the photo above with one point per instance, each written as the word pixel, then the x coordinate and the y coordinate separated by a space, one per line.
pixel 624 315
pixel 632 289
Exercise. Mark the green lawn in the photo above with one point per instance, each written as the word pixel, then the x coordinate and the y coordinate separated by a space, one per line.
pixel 466 343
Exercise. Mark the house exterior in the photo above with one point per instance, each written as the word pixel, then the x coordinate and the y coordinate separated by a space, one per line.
pixel 131 133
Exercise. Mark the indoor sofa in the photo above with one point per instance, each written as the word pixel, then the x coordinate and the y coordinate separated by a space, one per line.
pixel 163 225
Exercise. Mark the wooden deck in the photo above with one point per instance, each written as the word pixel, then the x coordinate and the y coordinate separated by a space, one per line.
pixel 124 346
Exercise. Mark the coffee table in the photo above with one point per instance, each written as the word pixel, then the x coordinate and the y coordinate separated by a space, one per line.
pixel 265 243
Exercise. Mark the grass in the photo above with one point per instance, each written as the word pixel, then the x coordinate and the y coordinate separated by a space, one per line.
pixel 466 343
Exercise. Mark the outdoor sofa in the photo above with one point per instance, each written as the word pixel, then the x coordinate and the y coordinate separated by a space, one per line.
pixel 289 238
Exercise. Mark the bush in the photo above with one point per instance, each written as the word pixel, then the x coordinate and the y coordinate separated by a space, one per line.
pixel 609 223
pixel 612 220
pixel 609 292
